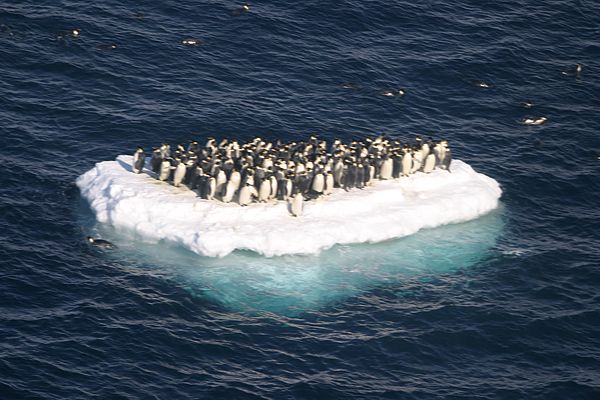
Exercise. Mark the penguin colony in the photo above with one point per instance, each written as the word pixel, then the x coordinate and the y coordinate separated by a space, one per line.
pixel 261 171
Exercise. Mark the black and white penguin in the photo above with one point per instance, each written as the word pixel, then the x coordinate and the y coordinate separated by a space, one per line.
pixel 165 170
pixel 191 42
pixel 139 157
pixel 107 46
pixel 535 121
pixel 101 243
pixel 72 33
pixel 480 84
pixel 179 174
pixel 296 204
pixel 576 71
pixel 246 195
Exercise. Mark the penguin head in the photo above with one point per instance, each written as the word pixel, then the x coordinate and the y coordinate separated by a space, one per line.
pixel 76 32
pixel 90 239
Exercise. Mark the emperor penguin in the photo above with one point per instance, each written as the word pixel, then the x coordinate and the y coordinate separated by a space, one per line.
pixel 264 191
pixel 387 167
pixel 138 160
pixel 165 170
pixel 296 204
pixel 246 194
pixel 430 162
pixel 180 171
pixel 406 163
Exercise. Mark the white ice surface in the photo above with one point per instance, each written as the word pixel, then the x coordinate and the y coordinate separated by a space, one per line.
pixel 388 209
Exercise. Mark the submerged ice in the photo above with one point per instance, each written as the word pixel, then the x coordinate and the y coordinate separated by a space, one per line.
pixel 389 209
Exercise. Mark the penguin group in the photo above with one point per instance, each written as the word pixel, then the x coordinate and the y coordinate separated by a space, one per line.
pixel 262 171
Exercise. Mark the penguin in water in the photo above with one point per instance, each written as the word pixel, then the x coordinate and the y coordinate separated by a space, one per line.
pixel 393 93
pixel 191 42
pixel 527 104
pixel 71 33
pixel 241 10
pixel 101 243
pixel 107 46
pixel 576 71
pixel 138 160
pixel 535 121
pixel 480 84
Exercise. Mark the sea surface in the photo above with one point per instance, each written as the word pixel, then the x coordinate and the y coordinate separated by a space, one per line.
pixel 503 307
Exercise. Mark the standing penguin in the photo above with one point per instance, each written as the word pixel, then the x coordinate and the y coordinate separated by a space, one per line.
pixel 329 184
pixel 318 184
pixel 156 160
pixel 429 163
pixel 296 204
pixel 180 170
pixel 138 160
pixel 387 168
pixel 264 190
pixel 417 161
pixel 165 170
pixel 246 194
pixel 406 163
pixel 211 188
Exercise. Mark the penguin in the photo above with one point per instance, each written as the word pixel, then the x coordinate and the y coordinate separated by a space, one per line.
pixel 229 191
pixel 527 104
pixel 329 184
pixel 191 42
pixel 73 33
pixel 138 160
pixel 387 168
pixel 406 163
pixel 447 160
pixel 296 205
pixel 211 188
pixel 480 84
pixel 180 171
pixel 575 71
pixel 338 172
pixel 264 191
pixel 107 46
pixel 274 184
pixel 220 182
pixel 417 160
pixel 165 170
pixel 101 243
pixel 535 121
pixel 246 195
pixel 429 164
pixel 393 93
pixel 318 183
pixel 360 176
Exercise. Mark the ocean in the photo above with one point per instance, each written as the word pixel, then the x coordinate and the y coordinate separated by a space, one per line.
pixel 502 307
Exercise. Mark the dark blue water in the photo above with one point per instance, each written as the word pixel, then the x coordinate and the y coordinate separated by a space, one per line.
pixel 503 307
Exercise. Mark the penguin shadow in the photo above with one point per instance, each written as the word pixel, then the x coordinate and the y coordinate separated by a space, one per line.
pixel 126 166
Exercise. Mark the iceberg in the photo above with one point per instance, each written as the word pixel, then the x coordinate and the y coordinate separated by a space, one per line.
pixel 386 210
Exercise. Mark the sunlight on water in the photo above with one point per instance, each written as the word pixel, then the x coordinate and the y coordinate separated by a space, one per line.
pixel 248 282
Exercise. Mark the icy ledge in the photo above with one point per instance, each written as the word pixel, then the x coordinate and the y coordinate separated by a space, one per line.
pixel 386 210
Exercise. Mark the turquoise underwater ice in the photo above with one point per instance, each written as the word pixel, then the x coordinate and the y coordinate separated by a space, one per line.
pixel 248 282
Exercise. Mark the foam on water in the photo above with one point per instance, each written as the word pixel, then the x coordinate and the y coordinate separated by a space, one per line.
pixel 389 209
